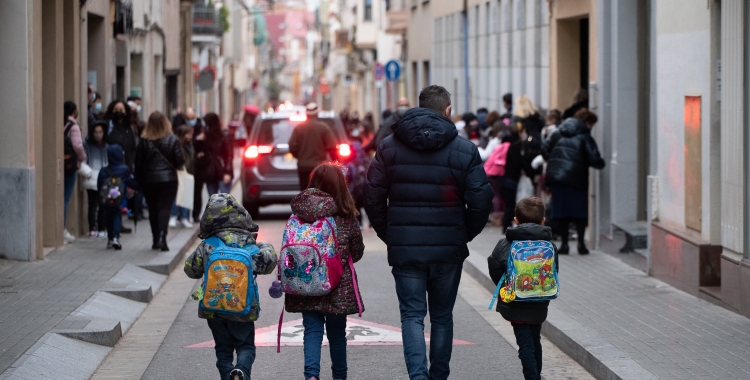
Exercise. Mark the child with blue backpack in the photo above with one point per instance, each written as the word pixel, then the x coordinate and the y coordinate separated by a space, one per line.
pixel 527 282
pixel 323 287
pixel 112 182
pixel 228 260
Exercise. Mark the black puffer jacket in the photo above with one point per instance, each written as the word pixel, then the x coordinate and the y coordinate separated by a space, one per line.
pixel 516 311
pixel 426 192
pixel 569 153
pixel 153 167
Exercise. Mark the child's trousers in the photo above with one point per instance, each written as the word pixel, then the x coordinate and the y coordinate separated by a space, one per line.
pixel 230 337
pixel 335 329
pixel 113 221
pixel 529 341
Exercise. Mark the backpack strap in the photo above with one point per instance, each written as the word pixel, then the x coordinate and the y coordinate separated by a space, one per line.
pixel 356 288
pixel 68 127
pixel 215 242
pixel 278 335
pixel 497 291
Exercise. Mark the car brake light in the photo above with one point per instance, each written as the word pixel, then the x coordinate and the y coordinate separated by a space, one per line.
pixel 298 117
pixel 253 151
pixel 345 150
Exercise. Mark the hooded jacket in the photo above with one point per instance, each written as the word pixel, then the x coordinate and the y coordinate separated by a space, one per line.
pixel 516 311
pixel 386 129
pixel 314 204
pixel 123 135
pixel 426 192
pixel 96 159
pixel 226 218
pixel 311 142
pixel 116 167
pixel 569 153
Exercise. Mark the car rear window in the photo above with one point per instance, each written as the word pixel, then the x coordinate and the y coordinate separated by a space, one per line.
pixel 279 131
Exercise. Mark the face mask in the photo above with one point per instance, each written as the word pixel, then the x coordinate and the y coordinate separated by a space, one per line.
pixel 118 116
pixel 191 122
pixel 403 108
pixel 98 107
pixel 139 109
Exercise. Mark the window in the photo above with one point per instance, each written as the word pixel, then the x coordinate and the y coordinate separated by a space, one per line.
pixel 368 10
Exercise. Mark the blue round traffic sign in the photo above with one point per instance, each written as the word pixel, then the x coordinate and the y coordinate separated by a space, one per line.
pixel 392 70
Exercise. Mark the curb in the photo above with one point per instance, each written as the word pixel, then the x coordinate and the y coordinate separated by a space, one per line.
pixel 585 346
pixel 77 352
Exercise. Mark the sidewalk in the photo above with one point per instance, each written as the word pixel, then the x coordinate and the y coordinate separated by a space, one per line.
pixel 619 323
pixel 61 316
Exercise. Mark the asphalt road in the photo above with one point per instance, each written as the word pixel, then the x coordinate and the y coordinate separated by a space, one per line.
pixel 477 360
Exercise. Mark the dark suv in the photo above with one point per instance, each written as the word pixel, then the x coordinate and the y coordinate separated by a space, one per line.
pixel 269 172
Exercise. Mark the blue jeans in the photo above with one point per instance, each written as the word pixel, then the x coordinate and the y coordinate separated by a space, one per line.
pixel 113 221
pixel 418 288
pixel 225 188
pixel 529 342
pixel 180 212
pixel 70 182
pixel 230 337
pixel 335 328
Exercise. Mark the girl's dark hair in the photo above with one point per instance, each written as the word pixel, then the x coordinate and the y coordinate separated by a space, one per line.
pixel 182 130
pixel 111 110
pixel 213 127
pixel 69 107
pixel 329 178
pixel 589 118
pixel 105 128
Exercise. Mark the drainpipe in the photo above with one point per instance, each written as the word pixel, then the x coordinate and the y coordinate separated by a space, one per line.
pixel 466 57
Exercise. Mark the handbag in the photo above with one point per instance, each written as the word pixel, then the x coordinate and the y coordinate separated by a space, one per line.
pixel 525 188
pixel 185 187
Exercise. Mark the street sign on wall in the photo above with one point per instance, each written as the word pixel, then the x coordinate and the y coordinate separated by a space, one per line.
pixel 379 71
pixel 392 70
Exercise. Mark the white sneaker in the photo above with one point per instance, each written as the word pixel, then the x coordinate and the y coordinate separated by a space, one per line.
pixel 186 223
pixel 102 235
pixel 68 237
pixel 93 234
pixel 172 221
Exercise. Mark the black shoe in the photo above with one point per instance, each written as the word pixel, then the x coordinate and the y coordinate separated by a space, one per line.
pixel 116 244
pixel 564 249
pixel 162 243
pixel 237 374
pixel 582 250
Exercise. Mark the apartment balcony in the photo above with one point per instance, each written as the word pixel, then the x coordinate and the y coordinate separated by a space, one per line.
pixel 207 26
pixel 398 21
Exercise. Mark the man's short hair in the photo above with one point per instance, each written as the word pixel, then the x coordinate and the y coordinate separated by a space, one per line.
pixel 508 98
pixel 435 98
pixel 530 210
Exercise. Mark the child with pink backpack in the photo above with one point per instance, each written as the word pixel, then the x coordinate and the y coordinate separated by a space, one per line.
pixel 321 243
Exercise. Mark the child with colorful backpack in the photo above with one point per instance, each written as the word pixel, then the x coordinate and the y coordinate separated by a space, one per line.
pixel 321 243
pixel 524 266
pixel 112 182
pixel 228 259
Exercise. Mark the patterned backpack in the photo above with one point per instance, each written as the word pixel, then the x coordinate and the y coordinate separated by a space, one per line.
pixel 309 264
pixel 531 275
pixel 229 285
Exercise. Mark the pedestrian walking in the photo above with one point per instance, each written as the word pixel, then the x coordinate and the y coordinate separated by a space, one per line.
pixel 328 197
pixel 386 127
pixel 521 153
pixel 96 159
pixel 580 101
pixel 113 181
pixel 311 143
pixel 492 135
pixel 569 154
pixel 494 166
pixel 74 156
pixel 159 156
pixel 213 161
pixel 185 136
pixel 227 223
pixel 525 317
pixel 552 121
pixel 427 196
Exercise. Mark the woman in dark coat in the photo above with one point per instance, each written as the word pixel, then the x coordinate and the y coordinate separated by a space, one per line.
pixel 569 154
pixel 213 161
pixel 157 160
pixel 517 162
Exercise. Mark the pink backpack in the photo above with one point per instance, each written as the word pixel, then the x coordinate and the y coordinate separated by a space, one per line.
pixel 495 165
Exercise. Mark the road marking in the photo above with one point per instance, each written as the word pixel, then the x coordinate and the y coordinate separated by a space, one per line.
pixel 358 333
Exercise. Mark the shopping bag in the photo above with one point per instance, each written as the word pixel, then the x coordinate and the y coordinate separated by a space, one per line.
pixel 525 188
pixel 185 186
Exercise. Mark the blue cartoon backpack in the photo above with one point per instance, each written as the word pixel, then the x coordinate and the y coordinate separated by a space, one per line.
pixel 229 285
pixel 531 274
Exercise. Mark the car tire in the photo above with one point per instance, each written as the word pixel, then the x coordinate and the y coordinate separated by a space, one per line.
pixel 253 209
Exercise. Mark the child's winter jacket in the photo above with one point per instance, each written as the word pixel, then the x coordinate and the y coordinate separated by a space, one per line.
pixel 117 168
pixel 226 218
pixel 311 205
pixel 96 159
pixel 517 311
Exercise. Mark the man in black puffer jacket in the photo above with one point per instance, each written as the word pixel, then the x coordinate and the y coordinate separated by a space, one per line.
pixel 427 196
